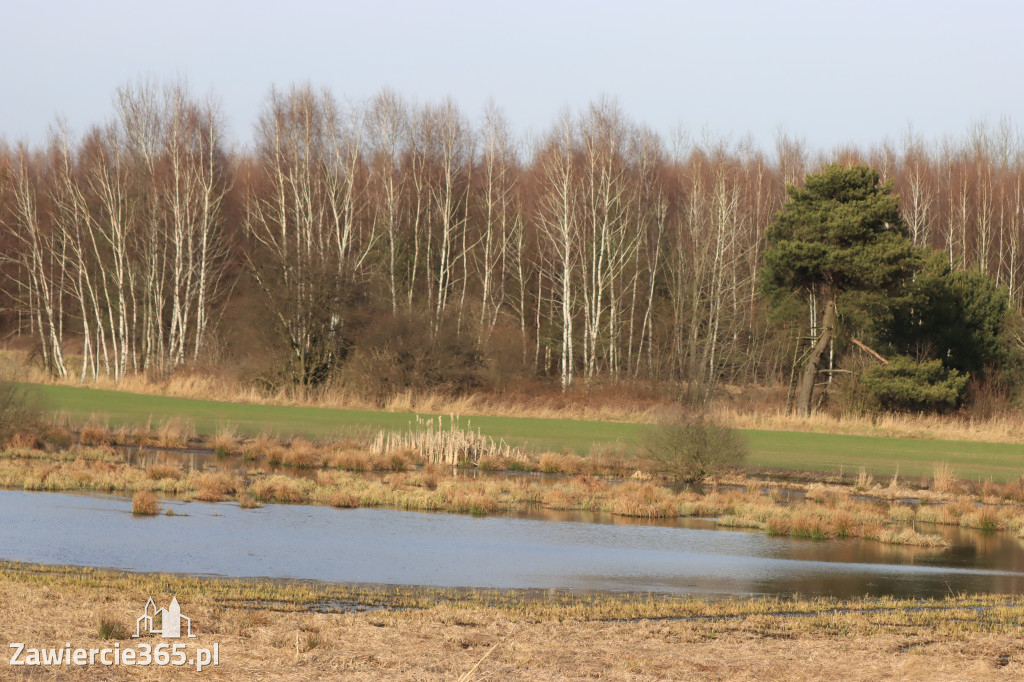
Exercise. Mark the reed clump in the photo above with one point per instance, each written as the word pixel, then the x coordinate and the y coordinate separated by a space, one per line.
pixel 815 520
pixel 341 499
pixel 985 519
pixel 1009 492
pixel 560 463
pixel 558 499
pixel 275 455
pixel 278 488
pixel 844 524
pixel 808 524
pixel 245 501
pixel 350 460
pixel 644 500
pixel 157 472
pixel 864 481
pixel 58 436
pixel 257 448
pixel 133 434
pixel 903 536
pixel 25 441
pixel 144 503
pixel 491 463
pixel 777 525
pixel 454 445
pixel 943 478
pixel 112 628
pixel 302 454
pixel 95 433
pixel 176 432
pixel 902 513
pixel 396 460
pixel 212 486
pixel 225 441
pixel 429 476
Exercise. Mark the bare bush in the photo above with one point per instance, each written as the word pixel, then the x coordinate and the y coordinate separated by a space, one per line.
pixel 18 412
pixel 695 447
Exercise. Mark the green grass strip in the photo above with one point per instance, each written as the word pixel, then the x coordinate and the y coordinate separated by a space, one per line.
pixel 798 451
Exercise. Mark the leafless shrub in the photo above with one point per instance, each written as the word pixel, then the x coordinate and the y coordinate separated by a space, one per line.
pixel 694 447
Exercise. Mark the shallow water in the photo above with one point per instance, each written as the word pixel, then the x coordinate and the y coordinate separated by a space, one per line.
pixel 565 551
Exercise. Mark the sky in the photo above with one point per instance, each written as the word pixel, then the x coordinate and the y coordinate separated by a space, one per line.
pixel 830 72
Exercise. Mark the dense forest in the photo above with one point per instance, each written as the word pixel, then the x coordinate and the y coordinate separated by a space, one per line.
pixel 387 245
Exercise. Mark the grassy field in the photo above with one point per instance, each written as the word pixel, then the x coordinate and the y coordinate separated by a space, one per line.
pixel 830 453
pixel 883 456
pixel 116 408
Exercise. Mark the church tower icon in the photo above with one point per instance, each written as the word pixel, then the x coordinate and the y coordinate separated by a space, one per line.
pixel 170 621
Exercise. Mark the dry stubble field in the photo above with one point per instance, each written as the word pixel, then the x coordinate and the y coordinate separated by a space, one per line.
pixel 268 631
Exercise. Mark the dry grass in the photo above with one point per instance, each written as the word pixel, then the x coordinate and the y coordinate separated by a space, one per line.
pixel 279 488
pixel 25 441
pixel 302 454
pixel 157 472
pixel 340 499
pixel 437 634
pixel 454 445
pixel 225 441
pixel 644 500
pixel 214 486
pixel 1009 492
pixel 95 433
pixel 247 502
pixel 176 432
pixel 965 514
pixel 134 435
pixel 561 463
pixel 944 478
pixel 258 447
pixel 350 460
pixel 144 503
pixel 832 518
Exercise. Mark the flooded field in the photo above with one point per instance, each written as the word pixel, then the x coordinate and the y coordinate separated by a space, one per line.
pixel 546 550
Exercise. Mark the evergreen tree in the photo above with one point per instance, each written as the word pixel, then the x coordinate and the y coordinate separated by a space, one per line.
pixel 958 317
pixel 908 385
pixel 841 232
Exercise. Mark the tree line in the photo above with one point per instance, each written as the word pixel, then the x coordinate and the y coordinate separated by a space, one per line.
pixel 397 245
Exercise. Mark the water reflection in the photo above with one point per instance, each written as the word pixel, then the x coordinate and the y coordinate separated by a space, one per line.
pixel 551 550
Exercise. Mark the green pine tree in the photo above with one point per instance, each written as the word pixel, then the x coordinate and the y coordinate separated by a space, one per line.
pixel 841 232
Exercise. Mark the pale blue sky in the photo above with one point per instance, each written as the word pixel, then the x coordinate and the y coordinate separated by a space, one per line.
pixel 828 71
